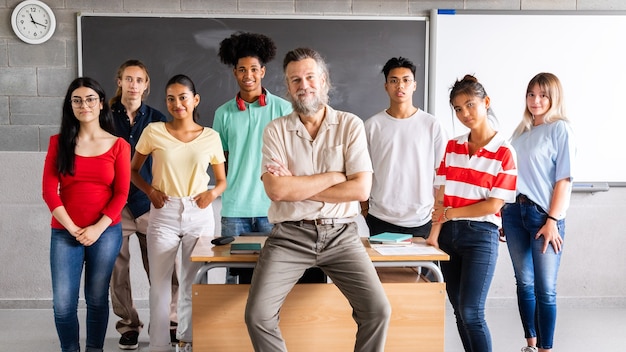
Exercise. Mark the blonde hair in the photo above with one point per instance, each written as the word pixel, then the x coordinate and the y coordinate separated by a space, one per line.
pixel 550 84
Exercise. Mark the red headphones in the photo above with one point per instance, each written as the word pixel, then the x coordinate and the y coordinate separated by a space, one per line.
pixel 241 104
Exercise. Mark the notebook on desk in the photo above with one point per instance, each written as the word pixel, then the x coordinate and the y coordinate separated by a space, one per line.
pixel 391 238
pixel 245 248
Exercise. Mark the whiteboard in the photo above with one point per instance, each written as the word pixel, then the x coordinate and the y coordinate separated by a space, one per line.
pixel 504 50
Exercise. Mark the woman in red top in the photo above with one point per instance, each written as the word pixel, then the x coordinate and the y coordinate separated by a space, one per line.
pixel 86 179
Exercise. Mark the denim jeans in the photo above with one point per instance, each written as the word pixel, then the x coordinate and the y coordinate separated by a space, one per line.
pixel 473 250
pixel 237 226
pixel 535 272
pixel 67 257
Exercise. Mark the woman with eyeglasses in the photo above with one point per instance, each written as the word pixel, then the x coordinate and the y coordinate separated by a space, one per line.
pixel 85 185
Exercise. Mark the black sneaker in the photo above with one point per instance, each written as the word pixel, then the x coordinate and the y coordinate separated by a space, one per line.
pixel 128 341
pixel 173 338
pixel 173 327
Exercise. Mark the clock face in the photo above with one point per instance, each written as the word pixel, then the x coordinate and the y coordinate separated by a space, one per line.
pixel 33 22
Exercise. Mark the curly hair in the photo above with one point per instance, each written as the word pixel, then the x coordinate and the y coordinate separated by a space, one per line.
pixel 242 44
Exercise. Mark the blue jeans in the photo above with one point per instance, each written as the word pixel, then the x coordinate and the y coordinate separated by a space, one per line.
pixel 535 273
pixel 473 250
pixel 237 226
pixel 67 257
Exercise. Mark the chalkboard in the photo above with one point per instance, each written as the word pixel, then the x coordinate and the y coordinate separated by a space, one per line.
pixel 507 48
pixel 355 50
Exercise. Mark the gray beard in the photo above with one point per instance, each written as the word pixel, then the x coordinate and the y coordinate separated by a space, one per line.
pixel 308 107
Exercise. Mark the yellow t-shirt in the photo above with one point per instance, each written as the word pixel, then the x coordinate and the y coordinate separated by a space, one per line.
pixel 180 169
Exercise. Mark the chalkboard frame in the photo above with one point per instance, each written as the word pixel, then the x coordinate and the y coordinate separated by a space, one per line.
pixel 354 67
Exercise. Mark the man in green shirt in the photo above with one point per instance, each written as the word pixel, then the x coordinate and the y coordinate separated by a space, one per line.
pixel 240 123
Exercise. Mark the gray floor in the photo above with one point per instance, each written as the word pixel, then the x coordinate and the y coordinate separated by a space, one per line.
pixel 578 329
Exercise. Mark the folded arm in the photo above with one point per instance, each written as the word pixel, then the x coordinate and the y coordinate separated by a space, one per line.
pixel 331 187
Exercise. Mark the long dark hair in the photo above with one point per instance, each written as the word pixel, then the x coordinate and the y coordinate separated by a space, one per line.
pixel 70 125
pixel 187 82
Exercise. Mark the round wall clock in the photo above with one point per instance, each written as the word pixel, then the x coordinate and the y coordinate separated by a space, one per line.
pixel 33 21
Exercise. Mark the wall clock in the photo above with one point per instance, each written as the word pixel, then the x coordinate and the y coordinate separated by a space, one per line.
pixel 33 21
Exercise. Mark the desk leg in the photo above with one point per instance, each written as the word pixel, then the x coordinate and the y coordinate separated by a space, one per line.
pixel 202 272
pixel 411 264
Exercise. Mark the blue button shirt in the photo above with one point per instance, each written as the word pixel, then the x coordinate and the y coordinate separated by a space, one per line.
pixel 138 202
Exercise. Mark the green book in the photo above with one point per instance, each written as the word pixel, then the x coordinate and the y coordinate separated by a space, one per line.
pixel 390 237
pixel 245 248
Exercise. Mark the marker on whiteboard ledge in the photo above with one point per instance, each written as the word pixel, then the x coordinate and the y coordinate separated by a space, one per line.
pixel 590 187
pixel 446 11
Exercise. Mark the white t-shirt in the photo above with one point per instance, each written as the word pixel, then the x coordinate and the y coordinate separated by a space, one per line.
pixel 405 154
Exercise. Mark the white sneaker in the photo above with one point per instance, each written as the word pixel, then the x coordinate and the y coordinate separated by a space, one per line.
pixel 525 349
pixel 183 346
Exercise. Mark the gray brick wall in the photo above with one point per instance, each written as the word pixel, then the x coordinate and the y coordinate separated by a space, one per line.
pixel 33 78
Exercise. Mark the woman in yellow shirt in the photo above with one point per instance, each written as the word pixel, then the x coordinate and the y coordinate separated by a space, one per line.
pixel 181 210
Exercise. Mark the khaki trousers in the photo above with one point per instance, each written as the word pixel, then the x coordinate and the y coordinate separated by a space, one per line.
pixel 292 248
pixel 121 288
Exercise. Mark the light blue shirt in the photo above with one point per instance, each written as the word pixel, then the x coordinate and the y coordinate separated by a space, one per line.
pixel 242 137
pixel 545 155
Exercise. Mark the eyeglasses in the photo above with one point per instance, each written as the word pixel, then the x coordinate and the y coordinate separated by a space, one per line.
pixel 397 81
pixel 90 101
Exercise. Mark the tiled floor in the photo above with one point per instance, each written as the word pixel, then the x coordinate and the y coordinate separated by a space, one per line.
pixel 578 330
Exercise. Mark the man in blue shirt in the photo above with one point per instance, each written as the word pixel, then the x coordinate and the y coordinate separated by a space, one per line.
pixel 131 116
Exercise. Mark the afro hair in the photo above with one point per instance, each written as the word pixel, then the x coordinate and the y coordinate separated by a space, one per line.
pixel 241 45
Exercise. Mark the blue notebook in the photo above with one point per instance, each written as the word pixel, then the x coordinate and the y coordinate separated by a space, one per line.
pixel 245 248
pixel 390 237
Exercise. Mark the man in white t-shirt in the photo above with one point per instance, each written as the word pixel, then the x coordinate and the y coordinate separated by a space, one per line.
pixel 406 145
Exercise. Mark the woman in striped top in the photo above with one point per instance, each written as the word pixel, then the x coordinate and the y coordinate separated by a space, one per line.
pixel 476 177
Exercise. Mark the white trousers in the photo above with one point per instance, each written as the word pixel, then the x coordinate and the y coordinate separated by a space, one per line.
pixel 177 224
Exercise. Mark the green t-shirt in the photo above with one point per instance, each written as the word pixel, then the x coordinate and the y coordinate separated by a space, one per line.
pixel 242 137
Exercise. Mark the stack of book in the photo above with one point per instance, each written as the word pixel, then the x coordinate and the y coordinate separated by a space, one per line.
pixel 391 239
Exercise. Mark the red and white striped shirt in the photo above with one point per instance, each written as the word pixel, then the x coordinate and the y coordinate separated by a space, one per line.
pixel 490 173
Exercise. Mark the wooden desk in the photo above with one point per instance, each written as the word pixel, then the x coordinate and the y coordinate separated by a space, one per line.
pixel 317 317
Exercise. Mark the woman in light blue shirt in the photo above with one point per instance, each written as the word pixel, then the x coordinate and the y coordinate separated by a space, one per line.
pixel 534 225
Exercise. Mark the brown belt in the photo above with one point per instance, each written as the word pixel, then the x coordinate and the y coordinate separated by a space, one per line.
pixel 522 199
pixel 325 221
